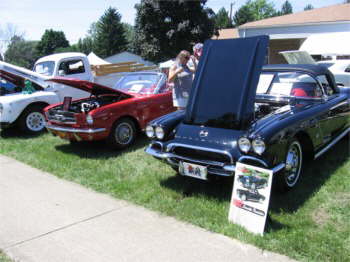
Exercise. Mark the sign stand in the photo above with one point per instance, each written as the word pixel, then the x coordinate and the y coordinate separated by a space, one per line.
pixel 250 197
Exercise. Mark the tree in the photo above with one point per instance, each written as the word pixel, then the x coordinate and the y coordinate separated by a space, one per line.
pixel 222 19
pixel 20 52
pixel 308 7
pixel 254 10
pixel 110 34
pixel 50 41
pixel 286 8
pixel 129 35
pixel 86 45
pixel 7 32
pixel 164 28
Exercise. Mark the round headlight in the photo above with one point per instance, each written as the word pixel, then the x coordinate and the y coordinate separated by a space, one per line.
pixel 89 119
pixel 159 132
pixel 149 131
pixel 258 146
pixel 244 144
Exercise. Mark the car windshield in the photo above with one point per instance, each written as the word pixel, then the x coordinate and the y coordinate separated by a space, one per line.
pixel 45 68
pixel 288 84
pixel 139 83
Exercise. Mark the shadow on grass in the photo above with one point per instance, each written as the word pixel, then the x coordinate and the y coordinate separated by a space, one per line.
pixel 16 132
pixel 315 174
pixel 217 188
pixel 99 149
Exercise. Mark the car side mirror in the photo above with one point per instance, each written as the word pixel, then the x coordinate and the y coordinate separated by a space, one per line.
pixel 61 73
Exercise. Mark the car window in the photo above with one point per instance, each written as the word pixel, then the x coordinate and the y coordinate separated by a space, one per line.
pixel 72 67
pixel 326 86
pixel 139 83
pixel 45 68
pixel 289 84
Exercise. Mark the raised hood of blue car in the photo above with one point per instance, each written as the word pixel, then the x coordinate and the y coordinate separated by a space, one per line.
pixel 224 88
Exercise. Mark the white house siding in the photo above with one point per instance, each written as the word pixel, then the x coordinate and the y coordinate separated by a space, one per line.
pixel 290 37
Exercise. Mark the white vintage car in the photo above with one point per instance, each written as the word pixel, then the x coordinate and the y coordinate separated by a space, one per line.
pixel 26 108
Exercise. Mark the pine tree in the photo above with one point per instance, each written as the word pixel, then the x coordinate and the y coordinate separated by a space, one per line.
pixel 110 34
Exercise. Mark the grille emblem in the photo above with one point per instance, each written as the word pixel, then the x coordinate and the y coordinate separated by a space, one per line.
pixel 203 133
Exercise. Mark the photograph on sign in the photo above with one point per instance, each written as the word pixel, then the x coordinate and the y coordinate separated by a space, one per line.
pixel 250 197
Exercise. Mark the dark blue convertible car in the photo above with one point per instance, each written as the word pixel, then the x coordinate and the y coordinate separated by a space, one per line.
pixel 272 117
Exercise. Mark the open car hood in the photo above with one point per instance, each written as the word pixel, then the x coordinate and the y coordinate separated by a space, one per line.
pixel 224 88
pixel 16 75
pixel 93 88
pixel 298 57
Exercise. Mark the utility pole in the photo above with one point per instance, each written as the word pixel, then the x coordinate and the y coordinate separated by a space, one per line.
pixel 231 5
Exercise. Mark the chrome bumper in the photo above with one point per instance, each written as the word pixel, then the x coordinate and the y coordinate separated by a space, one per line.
pixel 228 168
pixel 75 130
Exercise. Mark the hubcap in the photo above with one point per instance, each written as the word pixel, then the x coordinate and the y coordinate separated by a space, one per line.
pixel 293 164
pixel 123 133
pixel 35 121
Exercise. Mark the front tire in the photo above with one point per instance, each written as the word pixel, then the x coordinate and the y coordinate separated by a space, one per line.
pixel 289 178
pixel 123 134
pixel 32 120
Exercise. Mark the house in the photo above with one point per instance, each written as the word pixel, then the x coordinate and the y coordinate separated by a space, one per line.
pixel 227 33
pixel 288 32
pixel 127 57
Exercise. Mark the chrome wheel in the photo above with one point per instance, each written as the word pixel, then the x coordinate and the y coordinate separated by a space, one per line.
pixel 35 121
pixel 293 164
pixel 124 133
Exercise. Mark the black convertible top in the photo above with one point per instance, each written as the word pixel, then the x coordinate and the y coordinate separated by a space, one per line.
pixel 308 68
pixel 314 69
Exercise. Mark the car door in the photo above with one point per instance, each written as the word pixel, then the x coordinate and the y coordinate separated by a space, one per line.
pixel 337 106
pixel 158 105
pixel 71 68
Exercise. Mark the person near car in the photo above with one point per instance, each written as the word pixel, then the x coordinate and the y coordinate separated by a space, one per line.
pixel 182 76
pixel 197 52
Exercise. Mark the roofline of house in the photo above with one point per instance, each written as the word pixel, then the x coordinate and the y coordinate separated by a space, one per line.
pixel 303 24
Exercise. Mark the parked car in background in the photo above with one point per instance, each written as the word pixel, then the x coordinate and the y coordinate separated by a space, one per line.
pixel 272 117
pixel 113 114
pixel 25 107
pixel 339 67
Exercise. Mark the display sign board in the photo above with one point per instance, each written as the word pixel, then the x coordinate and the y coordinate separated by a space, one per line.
pixel 250 197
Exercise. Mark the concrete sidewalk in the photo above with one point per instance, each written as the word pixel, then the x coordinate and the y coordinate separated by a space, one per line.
pixel 43 218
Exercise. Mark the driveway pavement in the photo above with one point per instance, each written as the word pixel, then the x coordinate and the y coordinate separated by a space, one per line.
pixel 43 218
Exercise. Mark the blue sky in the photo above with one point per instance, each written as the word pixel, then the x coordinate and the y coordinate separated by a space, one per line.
pixel 75 16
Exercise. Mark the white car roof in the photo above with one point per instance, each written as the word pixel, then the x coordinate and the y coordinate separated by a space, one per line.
pixel 56 57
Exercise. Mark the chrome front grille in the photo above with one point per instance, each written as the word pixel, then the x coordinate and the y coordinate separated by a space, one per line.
pixel 199 154
pixel 61 116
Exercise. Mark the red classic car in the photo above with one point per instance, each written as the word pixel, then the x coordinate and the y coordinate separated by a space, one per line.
pixel 115 114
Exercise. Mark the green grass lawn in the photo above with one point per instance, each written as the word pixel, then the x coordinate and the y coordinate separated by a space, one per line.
pixel 310 223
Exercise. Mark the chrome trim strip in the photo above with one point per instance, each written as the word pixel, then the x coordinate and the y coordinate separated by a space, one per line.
pixel 170 146
pixel 75 130
pixel 339 105
pixel 322 151
pixel 253 158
